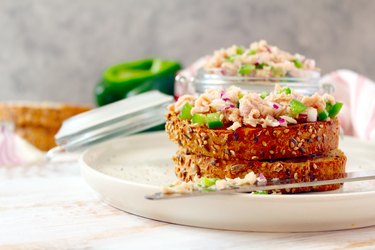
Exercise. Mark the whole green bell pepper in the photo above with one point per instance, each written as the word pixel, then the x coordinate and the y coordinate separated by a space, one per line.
pixel 132 78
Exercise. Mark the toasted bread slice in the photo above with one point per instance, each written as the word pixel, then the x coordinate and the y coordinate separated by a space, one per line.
pixel 187 166
pixel 49 115
pixel 258 143
pixel 38 122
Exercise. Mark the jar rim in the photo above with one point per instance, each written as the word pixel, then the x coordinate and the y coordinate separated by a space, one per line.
pixel 203 76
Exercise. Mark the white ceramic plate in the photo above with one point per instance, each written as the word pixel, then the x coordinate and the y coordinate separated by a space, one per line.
pixel 123 171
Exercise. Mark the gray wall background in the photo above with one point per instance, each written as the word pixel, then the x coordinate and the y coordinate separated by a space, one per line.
pixel 55 50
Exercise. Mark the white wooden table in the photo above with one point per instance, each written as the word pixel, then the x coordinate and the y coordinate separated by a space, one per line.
pixel 49 206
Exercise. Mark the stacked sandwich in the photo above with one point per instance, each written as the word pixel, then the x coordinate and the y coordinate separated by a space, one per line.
pixel 283 134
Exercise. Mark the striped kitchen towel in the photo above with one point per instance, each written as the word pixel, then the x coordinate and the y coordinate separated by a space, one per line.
pixel 14 150
pixel 357 92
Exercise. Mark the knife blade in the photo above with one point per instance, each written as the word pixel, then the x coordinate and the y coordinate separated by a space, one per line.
pixel 274 184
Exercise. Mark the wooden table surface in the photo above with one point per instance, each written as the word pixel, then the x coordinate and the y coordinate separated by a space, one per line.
pixel 49 206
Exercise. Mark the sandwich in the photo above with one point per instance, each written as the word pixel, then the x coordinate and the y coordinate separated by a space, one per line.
pixel 229 133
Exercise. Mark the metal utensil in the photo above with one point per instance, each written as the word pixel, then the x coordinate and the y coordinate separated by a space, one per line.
pixel 275 184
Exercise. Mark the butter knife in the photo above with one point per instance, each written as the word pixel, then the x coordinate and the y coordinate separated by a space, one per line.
pixel 274 184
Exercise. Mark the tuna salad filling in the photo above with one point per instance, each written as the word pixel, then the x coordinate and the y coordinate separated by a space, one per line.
pixel 234 108
pixel 259 60
pixel 212 184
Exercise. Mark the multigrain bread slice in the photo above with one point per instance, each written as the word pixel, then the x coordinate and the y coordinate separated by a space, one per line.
pixel 321 167
pixel 258 143
pixel 38 122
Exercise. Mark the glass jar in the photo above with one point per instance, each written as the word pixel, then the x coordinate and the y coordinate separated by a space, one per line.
pixel 306 85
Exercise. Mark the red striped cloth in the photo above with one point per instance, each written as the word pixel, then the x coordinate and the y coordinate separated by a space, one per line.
pixel 8 154
pixel 357 92
pixel 14 150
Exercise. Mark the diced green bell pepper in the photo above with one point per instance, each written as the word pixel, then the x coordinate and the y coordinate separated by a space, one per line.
pixel 264 94
pixel 277 72
pixel 331 111
pixel 297 63
pixel 260 65
pixel 240 50
pixel 260 192
pixel 231 58
pixel 199 119
pixel 246 69
pixel 297 107
pixel 285 90
pixel 208 182
pixel 328 106
pixel 253 52
pixel 186 111
pixel 131 78
pixel 214 121
pixel 335 109
pixel 322 116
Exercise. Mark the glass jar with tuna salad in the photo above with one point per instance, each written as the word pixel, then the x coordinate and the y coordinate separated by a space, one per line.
pixel 257 68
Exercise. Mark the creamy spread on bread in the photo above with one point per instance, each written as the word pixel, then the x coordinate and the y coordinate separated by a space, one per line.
pixel 238 108
pixel 259 60
pixel 211 184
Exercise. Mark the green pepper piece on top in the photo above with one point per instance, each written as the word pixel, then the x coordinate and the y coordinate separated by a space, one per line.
pixel 297 107
pixel 214 121
pixel 186 111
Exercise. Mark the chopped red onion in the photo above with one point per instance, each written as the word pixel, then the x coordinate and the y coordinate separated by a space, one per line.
pixel 282 122
pixel 261 178
pixel 302 118
pixel 275 106
pixel 230 106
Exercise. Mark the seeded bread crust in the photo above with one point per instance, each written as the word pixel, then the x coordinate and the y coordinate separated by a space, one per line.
pixel 255 143
pixel 187 166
